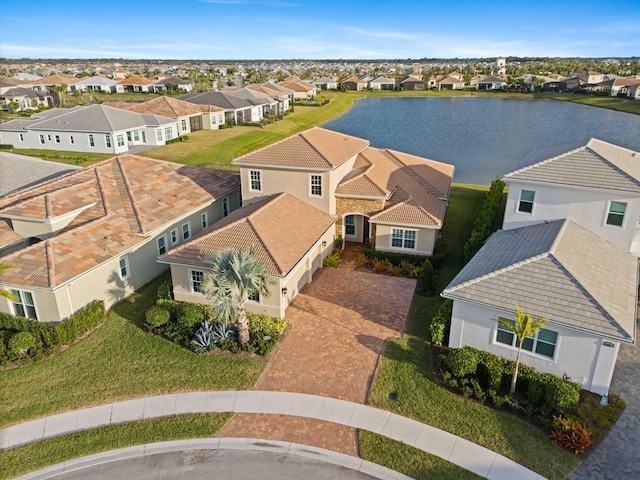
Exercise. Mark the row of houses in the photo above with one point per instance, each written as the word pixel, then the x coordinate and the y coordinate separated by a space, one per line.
pixel 119 127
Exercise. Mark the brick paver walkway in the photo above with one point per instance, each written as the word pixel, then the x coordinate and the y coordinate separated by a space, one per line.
pixel 338 326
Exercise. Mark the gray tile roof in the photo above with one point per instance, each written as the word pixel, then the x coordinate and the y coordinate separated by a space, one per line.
pixel 591 164
pixel 219 99
pixel 556 270
pixel 20 171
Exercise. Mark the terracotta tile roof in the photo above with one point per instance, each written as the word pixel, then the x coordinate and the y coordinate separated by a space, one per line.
pixel 7 235
pixel 260 224
pixel 135 80
pixel 123 199
pixel 415 188
pixel 164 106
pixel 314 148
pixel 297 86
pixel 57 79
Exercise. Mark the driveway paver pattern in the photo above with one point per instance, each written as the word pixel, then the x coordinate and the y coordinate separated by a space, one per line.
pixel 339 323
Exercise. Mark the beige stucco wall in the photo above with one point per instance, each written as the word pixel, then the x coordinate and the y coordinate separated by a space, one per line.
pixel 425 239
pixel 104 282
pixel 356 206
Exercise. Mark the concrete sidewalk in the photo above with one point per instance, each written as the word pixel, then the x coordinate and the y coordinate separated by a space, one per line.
pixel 437 442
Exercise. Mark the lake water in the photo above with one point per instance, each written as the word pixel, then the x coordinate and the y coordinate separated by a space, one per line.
pixel 483 137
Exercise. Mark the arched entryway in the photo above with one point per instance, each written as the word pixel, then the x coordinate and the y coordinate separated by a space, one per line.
pixel 356 228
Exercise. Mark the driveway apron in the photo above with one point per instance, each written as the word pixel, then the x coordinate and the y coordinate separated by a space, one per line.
pixel 339 324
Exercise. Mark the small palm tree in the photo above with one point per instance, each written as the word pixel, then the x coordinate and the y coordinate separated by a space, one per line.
pixel 234 277
pixel 3 292
pixel 525 326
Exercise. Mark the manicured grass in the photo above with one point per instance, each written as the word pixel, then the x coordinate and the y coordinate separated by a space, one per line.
pixel 81 159
pixel 612 103
pixel 118 361
pixel 409 460
pixel 35 456
pixel 405 367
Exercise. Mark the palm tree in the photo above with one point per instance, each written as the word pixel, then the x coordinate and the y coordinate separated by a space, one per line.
pixel 234 277
pixel 524 326
pixel 3 292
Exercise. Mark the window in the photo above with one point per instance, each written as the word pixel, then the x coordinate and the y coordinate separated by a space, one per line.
pixel 49 138
pixel 240 197
pixel 184 125
pixel 204 219
pixel 57 138
pixel 254 297
pixel 162 244
pixel 526 201
pixel 615 216
pixel 42 139
pixel 144 137
pixel 168 133
pixel 350 225
pixel 316 185
pixel 186 231
pixel 196 280
pixel 255 180
pixel 213 119
pixel 403 238
pixel 174 236
pixel 120 139
pixel 124 267
pixel 107 140
pixel 22 137
pixel 91 142
pixel 543 342
pixel 71 140
pixel 24 305
pixel 158 135
pixel 136 136
pixel 225 206
pixel 220 118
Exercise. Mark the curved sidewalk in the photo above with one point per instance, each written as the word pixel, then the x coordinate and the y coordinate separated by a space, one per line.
pixel 456 450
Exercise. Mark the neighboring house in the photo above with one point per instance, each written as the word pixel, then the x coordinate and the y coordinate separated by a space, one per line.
pixel 491 83
pixel 411 83
pixel 135 84
pixel 94 84
pixel 560 271
pixel 26 98
pixel 450 83
pixel 171 84
pixel 395 200
pixel 302 90
pixel 325 83
pixel 57 80
pixel 353 83
pixel 593 183
pixel 27 171
pixel 618 86
pixel 291 239
pixel 267 103
pixel 95 128
pixel 237 110
pixel 279 94
pixel 95 234
pixel 190 117
pixel 382 83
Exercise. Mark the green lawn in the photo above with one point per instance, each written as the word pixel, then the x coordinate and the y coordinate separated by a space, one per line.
pixel 406 368
pixel 81 159
pixel 21 460
pixel 117 362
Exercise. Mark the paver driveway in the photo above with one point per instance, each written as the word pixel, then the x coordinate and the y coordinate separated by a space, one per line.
pixel 338 326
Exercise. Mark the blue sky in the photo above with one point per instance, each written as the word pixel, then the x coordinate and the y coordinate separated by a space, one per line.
pixel 330 29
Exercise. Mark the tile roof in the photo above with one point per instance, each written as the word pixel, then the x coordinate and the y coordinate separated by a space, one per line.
pixel 556 270
pixel 259 224
pixel 117 203
pixel 416 188
pixel 219 99
pixel 135 80
pixel 297 85
pixel 314 148
pixel 165 106
pixel 26 171
pixel 57 79
pixel 592 164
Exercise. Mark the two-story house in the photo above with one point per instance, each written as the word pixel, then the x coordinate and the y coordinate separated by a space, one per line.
pixel 300 193
pixel 567 252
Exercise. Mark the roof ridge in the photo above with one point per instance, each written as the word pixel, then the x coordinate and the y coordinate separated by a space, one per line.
pixel 545 161
pixel 45 193
pixel 101 192
pixel 313 147
pixel 413 174
pixel 51 269
pixel 613 165
pixel 129 192
pixel 259 238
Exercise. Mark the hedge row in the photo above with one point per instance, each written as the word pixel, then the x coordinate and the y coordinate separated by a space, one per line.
pixel 483 226
pixel 397 258
pixel 46 337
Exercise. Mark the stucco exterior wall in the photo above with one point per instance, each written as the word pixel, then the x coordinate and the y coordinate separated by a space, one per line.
pixel 587 208
pixel 425 239
pixel 585 358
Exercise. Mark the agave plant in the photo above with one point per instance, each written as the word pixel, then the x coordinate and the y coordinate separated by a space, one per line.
pixel 211 333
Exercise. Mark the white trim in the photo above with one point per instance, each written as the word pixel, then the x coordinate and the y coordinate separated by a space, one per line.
pixel 204 220
pixel 529 353
pixel 311 185
pixel 166 245
pixel 177 240
pixel 190 272
pixel 415 240
pixel 607 211
pixel 259 179
pixel 12 303
pixel 127 268
pixel 519 201
pixel 182 231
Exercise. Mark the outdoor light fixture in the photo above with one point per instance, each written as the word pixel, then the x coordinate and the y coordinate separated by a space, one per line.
pixel 324 243
pixel 284 291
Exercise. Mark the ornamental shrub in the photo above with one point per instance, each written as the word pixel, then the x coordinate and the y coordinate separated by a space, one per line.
pixel 165 290
pixel 80 323
pixel 561 395
pixel 426 285
pixel 440 323
pixel 462 361
pixel 155 318
pixel 21 343
pixel 484 224
pixel 570 434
